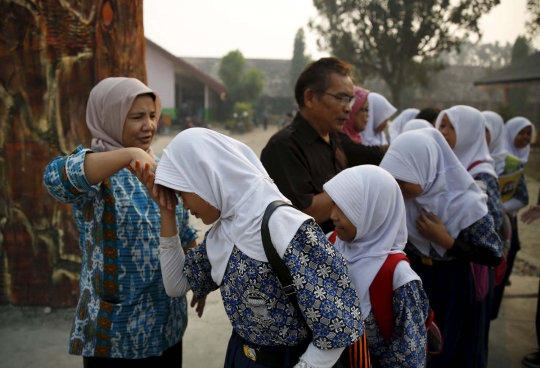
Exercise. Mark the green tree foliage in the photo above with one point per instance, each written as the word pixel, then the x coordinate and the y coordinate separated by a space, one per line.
pixel 517 97
pixel 241 85
pixel 533 24
pixel 398 40
pixel 299 59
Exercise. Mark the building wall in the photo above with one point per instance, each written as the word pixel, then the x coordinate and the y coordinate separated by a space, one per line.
pixel 160 74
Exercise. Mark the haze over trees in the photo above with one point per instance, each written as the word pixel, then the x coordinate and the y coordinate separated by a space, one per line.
pixel 397 40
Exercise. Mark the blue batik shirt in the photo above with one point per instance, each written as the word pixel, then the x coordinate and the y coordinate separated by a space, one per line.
pixel 494 202
pixel 259 310
pixel 123 310
pixel 407 347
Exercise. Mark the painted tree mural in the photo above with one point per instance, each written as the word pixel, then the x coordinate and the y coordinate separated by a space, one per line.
pixel 52 52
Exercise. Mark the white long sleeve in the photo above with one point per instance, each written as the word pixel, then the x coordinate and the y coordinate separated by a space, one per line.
pixel 513 206
pixel 171 259
pixel 318 358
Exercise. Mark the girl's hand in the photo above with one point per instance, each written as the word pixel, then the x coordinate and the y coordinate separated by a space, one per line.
pixel 433 229
pixel 531 214
pixel 164 197
pixel 198 304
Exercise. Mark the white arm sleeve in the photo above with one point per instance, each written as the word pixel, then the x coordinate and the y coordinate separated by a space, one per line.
pixel 171 259
pixel 513 205
pixel 317 358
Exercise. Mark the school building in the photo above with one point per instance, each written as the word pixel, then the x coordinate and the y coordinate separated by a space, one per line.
pixel 184 89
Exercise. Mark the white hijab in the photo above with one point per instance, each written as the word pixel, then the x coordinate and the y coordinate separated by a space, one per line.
pixel 108 105
pixel 495 125
pixel 471 145
pixel 228 175
pixel 396 128
pixel 513 127
pixel 416 124
pixel 379 111
pixel 372 201
pixel 423 157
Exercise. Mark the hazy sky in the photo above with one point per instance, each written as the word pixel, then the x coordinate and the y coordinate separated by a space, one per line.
pixel 266 28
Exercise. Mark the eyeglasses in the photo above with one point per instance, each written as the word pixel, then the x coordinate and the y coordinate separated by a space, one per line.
pixel 344 100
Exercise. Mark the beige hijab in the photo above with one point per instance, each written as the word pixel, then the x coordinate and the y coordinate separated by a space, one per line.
pixel 108 105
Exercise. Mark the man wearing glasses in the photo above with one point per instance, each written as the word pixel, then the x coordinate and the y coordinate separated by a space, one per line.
pixel 309 152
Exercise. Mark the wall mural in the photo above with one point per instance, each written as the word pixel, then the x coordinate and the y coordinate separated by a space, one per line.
pixel 52 52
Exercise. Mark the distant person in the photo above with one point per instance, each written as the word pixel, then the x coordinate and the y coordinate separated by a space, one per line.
pixel 286 121
pixel 397 125
pixel 532 360
pixel 309 152
pixel 222 182
pixel 380 111
pixel 265 119
pixel 359 115
pixel 123 318
pixel 429 114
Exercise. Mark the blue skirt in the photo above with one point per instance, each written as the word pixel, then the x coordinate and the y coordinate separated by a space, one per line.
pixel 450 288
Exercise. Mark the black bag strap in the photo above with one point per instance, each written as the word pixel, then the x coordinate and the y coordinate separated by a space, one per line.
pixel 278 265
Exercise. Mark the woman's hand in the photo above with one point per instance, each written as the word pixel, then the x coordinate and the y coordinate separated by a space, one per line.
pixel 138 155
pixel 164 197
pixel 433 229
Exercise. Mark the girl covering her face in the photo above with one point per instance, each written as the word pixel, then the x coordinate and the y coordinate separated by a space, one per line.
pixel 228 176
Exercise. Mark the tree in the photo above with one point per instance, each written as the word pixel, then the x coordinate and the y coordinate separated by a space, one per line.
pixel 533 24
pixel 517 97
pixel 241 85
pixel 51 55
pixel 299 59
pixel 398 40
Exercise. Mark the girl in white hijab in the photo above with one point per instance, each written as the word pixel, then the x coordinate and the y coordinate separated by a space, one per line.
pixel 416 124
pixel 222 181
pixel 448 226
pixel 380 110
pixel 495 139
pixel 397 125
pixel 518 135
pixel 464 128
pixel 369 215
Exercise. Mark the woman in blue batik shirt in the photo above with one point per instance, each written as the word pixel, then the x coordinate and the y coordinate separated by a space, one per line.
pixel 223 182
pixel 464 128
pixel 369 216
pixel 449 226
pixel 124 318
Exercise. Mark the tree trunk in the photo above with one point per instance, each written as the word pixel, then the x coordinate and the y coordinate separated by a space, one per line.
pixel 52 53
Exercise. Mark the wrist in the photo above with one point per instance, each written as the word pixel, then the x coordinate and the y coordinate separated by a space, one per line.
pixel 447 242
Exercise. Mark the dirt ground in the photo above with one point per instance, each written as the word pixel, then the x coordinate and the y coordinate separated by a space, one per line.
pixel 38 337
